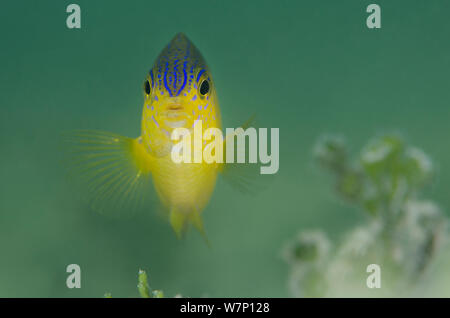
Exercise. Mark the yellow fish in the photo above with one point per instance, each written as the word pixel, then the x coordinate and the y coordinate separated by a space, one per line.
pixel 178 91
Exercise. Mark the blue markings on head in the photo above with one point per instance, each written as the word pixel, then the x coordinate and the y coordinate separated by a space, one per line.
pixel 165 79
pixel 151 76
pixel 176 66
pixel 175 71
pixel 200 74
pixel 185 78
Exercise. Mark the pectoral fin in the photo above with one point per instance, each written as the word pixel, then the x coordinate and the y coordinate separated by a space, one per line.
pixel 114 171
pixel 246 176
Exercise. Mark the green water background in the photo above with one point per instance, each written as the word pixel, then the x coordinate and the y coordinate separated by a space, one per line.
pixel 307 67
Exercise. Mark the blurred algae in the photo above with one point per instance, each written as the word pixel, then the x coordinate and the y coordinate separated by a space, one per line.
pixel 402 232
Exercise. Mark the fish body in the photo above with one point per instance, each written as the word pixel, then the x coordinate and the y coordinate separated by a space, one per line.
pixel 179 92
pixel 175 100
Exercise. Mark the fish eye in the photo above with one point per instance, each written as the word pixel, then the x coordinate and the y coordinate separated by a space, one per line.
pixel 147 87
pixel 204 87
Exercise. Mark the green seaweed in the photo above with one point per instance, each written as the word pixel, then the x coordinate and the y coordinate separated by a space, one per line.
pixel 402 232
pixel 143 287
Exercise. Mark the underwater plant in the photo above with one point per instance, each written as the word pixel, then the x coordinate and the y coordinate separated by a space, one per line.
pixel 402 233
pixel 143 287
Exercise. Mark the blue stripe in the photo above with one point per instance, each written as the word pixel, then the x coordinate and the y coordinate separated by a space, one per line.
pixel 175 71
pixel 185 78
pixel 200 74
pixel 175 74
pixel 155 121
pixel 165 79
pixel 151 76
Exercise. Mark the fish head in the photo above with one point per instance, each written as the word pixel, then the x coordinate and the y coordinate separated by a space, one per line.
pixel 178 89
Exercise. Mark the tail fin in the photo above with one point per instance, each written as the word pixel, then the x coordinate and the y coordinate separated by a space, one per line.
pixel 114 170
pixel 179 221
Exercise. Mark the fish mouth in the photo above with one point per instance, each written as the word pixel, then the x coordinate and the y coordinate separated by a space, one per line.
pixel 175 107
